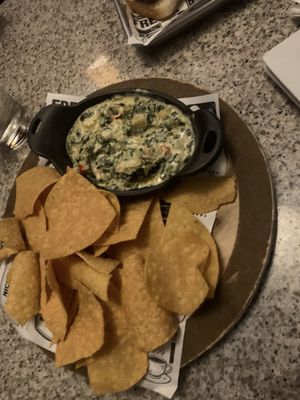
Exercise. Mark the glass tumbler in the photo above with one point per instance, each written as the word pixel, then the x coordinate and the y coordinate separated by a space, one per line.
pixel 14 122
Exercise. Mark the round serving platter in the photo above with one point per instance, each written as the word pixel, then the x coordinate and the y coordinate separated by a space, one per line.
pixel 244 231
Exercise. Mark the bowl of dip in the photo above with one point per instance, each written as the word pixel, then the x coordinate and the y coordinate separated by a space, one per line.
pixel 129 142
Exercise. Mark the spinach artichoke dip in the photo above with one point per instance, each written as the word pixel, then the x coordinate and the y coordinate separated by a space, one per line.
pixel 130 142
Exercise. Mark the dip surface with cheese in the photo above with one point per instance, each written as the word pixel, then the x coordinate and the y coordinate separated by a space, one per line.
pixel 130 142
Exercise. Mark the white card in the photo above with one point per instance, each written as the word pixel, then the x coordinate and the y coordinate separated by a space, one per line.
pixel 283 65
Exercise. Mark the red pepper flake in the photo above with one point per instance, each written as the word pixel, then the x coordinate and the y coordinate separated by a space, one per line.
pixel 81 169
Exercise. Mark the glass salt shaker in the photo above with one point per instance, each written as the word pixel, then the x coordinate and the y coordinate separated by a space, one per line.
pixel 14 122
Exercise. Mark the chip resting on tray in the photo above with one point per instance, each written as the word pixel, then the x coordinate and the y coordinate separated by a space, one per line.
pixel 112 198
pixel 29 186
pixel 53 298
pixel 181 220
pixel 99 264
pixel 23 301
pixel 132 216
pixel 11 240
pixel 120 363
pixel 173 272
pixel 147 237
pixel 202 194
pixel 75 210
pixel 35 226
pixel 73 272
pixel 86 334
pixel 151 325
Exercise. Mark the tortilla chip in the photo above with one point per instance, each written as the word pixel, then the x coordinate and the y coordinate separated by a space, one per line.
pixel 201 194
pixel 66 301
pixel 212 269
pixel 98 250
pixel 35 226
pixel 11 240
pixel 148 236
pixel 7 252
pixel 29 186
pixel 72 307
pixel 151 325
pixel 120 363
pixel 118 368
pixel 173 275
pixel 112 198
pixel 23 301
pixel 78 214
pixel 45 289
pixel 54 310
pixel 86 334
pixel 72 271
pixel 8 275
pixel 182 219
pixel 99 264
pixel 80 364
pixel 132 216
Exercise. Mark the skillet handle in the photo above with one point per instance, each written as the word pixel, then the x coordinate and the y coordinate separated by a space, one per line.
pixel 212 135
pixel 47 133
pixel 39 126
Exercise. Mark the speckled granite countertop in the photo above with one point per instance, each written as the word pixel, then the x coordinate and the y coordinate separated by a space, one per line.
pixel 75 47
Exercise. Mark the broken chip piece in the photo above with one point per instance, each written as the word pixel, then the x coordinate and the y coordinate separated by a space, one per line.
pixel 11 240
pixel 23 301
pixel 202 194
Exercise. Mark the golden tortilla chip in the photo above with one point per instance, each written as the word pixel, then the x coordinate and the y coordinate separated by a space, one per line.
pixel 72 271
pixel 53 309
pixel 86 334
pixel 78 214
pixel 29 186
pixel 182 219
pixel 151 325
pixel 149 235
pixel 173 275
pixel 99 264
pixel 80 364
pixel 35 226
pixel 120 363
pixel 132 216
pixel 98 250
pixel 72 306
pixel 7 252
pixel 112 198
pixel 212 269
pixel 45 289
pixel 11 240
pixel 8 275
pixel 201 194
pixel 23 301
pixel 118 368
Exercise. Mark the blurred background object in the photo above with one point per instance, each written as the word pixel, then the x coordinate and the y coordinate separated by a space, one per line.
pixel 14 121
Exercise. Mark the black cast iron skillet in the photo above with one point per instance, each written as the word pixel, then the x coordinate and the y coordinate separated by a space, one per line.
pixel 49 128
